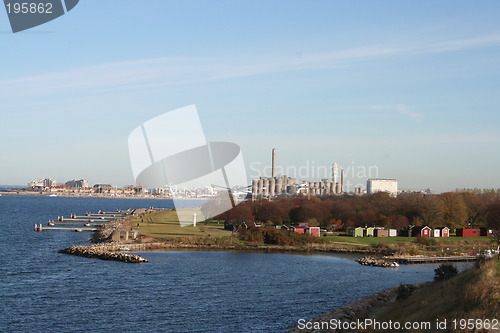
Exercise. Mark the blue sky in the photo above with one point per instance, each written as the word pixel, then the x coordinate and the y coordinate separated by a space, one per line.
pixel 410 88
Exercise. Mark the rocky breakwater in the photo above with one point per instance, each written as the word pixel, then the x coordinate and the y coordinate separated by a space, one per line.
pixel 92 252
pixel 371 261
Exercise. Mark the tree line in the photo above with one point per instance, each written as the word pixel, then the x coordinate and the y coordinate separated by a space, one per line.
pixel 451 209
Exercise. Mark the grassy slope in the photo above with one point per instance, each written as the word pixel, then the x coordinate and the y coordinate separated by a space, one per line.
pixel 165 225
pixel 472 294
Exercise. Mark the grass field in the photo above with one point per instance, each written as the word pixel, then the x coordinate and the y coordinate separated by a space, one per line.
pixel 165 224
pixel 396 240
pixel 368 240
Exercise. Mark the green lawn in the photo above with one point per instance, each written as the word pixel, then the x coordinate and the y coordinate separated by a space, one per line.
pixel 369 240
pixel 395 240
pixel 165 224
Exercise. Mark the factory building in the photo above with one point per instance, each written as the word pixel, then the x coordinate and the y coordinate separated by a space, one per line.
pixel 375 185
pixel 77 183
pixel 46 182
pixel 266 187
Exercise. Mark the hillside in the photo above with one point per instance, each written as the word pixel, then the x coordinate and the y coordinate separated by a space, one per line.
pixel 474 294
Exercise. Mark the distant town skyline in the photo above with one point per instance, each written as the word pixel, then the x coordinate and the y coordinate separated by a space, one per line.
pixel 410 89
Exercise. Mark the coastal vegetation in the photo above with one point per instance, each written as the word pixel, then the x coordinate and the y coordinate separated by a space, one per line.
pixel 471 294
pixel 335 215
pixel 451 209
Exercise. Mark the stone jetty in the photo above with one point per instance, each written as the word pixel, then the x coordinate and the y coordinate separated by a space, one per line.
pixel 371 261
pixel 93 252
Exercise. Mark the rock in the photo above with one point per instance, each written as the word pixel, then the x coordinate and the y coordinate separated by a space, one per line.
pixel 89 252
pixel 371 261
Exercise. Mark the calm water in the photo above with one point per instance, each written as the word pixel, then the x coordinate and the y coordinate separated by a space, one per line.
pixel 178 291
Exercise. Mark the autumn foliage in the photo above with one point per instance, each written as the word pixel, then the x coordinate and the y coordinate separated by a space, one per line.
pixel 451 209
pixel 273 236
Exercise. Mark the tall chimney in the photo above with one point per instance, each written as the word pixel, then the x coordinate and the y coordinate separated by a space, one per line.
pixel 273 172
pixel 335 172
pixel 342 180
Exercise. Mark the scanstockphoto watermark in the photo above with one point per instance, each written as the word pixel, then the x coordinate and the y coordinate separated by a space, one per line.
pixel 384 326
pixel 368 324
pixel 313 170
pixel 26 14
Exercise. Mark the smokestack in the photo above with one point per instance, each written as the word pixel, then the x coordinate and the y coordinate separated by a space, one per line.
pixel 273 172
pixel 342 180
pixel 335 172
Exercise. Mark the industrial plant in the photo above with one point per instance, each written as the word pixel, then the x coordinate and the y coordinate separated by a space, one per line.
pixel 282 184
pixel 276 185
pixel 382 185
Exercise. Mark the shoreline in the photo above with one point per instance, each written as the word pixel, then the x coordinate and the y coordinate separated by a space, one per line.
pixel 101 239
pixel 368 307
pixel 69 195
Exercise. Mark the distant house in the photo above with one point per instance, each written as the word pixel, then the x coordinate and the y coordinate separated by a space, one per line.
pixel 468 232
pixel 313 231
pixel 405 232
pixel 369 232
pixel 486 232
pixel 393 232
pixel 355 232
pixel 102 188
pixel 298 230
pixel 443 231
pixel 380 232
pixel 421 231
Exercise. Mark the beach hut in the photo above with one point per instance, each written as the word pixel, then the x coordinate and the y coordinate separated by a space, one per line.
pixel 421 231
pixel 467 232
pixel 406 232
pixel 368 232
pixel 381 232
pixel 393 232
pixel 355 232
pixel 486 232
pixel 436 233
pixel 444 231
pixel 298 230
pixel 314 231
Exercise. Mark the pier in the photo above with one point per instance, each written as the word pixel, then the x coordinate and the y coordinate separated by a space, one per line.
pixel 424 260
pixel 78 229
pixel 79 223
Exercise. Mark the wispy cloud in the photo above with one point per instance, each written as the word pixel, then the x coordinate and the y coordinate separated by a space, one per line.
pixel 170 71
pixel 402 109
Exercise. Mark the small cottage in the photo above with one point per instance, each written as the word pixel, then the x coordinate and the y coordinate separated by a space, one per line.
pixel 444 231
pixel 313 231
pixel 381 232
pixel 467 232
pixel 369 232
pixel 298 230
pixel 421 231
pixel 486 232
pixel 355 232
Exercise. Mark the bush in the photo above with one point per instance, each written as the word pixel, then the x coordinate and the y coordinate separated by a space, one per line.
pixel 404 291
pixel 273 236
pixel 444 272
